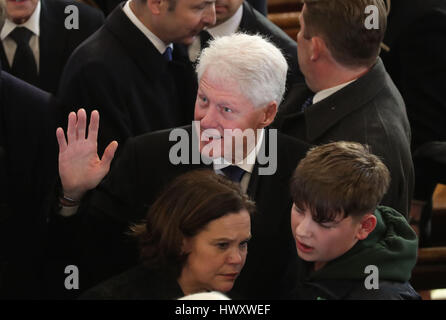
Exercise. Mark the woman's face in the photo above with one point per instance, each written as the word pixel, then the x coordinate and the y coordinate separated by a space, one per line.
pixel 217 254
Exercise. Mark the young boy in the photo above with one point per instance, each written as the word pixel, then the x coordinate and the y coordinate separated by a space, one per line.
pixel 348 247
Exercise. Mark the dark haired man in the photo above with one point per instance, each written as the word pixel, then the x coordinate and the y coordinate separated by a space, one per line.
pixel 131 71
pixel 348 94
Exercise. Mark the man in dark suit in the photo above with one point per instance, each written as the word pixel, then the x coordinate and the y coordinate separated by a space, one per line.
pixel 227 99
pixel 415 57
pixel 131 71
pixel 348 94
pixel 240 16
pixel 36 42
pixel 28 173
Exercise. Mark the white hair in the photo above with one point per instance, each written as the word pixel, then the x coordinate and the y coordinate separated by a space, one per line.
pixel 213 295
pixel 253 62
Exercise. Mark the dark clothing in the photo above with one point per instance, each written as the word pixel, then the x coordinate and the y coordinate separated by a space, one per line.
pixel 391 247
pixel 138 283
pixel 142 171
pixel 28 170
pixel 369 111
pixel 253 22
pixel 56 43
pixel 119 72
pixel 416 62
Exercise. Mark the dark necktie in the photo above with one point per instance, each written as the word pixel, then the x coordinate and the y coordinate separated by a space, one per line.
pixel 307 103
pixel 234 173
pixel 24 64
pixel 204 39
pixel 168 54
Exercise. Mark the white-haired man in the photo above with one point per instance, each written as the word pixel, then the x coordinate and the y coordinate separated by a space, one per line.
pixel 241 83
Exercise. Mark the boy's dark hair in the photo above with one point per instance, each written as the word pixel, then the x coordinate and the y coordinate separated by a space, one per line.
pixel 183 209
pixel 341 24
pixel 339 178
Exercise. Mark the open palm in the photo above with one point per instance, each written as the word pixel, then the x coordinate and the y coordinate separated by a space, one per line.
pixel 80 167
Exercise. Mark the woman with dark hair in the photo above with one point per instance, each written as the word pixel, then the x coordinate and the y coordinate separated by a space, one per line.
pixel 194 239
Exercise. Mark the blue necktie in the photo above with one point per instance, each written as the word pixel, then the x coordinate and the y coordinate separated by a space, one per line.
pixel 307 103
pixel 168 54
pixel 234 173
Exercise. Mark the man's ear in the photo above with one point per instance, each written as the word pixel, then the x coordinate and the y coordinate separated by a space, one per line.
pixel 269 114
pixel 367 225
pixel 155 6
pixel 317 45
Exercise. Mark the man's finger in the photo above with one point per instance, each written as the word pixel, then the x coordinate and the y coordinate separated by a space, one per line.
pixel 109 153
pixel 71 130
pixel 93 128
pixel 81 123
pixel 60 135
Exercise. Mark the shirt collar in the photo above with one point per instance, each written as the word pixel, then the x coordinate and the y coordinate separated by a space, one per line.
pixel 32 24
pixel 246 164
pixel 157 42
pixel 228 27
pixel 321 95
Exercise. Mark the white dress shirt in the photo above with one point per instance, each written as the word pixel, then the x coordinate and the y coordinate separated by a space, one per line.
pixel 227 28
pixel 323 94
pixel 32 24
pixel 157 42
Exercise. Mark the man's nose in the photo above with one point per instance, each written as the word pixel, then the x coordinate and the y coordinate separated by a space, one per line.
pixel 208 118
pixel 209 15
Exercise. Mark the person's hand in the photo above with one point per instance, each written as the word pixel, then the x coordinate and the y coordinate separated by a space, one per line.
pixel 80 167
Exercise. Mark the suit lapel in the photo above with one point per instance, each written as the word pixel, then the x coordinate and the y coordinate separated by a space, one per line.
pixel 4 60
pixel 248 19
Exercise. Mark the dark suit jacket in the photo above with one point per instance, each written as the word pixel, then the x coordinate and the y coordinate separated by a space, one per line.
pixel 138 283
pixel 27 136
pixel 56 43
pixel 416 62
pixel 119 72
pixel 369 111
pixel 138 176
pixel 254 22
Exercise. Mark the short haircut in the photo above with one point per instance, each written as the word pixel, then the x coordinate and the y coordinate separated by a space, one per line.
pixel 339 178
pixel 183 209
pixel 257 66
pixel 341 24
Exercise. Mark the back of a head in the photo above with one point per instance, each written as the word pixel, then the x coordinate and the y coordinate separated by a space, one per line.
pixel 344 25
pixel 253 62
pixel 339 178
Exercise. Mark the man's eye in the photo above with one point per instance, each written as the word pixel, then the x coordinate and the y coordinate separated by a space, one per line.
pixel 325 226
pixel 204 99
pixel 226 109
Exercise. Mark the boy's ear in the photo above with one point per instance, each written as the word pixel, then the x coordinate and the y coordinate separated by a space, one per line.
pixel 367 225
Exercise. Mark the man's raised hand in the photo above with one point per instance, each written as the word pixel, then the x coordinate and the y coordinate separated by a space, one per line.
pixel 80 167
